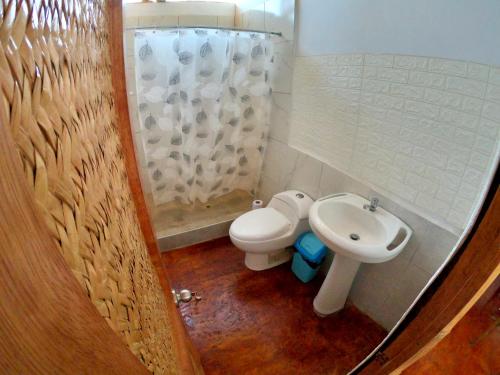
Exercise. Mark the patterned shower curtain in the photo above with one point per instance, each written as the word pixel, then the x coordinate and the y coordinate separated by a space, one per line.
pixel 204 102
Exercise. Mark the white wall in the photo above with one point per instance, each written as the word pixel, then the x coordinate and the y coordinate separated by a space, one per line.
pixel 425 131
pixel 455 29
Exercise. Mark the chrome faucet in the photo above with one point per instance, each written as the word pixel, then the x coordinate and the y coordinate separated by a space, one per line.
pixel 372 206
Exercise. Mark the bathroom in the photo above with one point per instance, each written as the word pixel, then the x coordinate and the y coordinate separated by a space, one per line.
pixel 250 186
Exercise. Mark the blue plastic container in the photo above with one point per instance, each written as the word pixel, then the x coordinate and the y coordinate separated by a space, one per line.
pixel 309 256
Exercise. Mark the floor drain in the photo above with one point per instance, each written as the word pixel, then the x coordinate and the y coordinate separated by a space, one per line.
pixel 354 236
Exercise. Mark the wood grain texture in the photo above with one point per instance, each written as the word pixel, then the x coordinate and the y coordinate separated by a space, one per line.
pixel 58 104
pixel 263 322
pixel 472 347
pixel 465 280
pixel 47 323
pixel 188 360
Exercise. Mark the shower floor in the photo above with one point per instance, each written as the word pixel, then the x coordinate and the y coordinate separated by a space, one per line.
pixel 263 322
pixel 173 218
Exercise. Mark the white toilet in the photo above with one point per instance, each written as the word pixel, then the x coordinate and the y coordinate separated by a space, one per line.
pixel 264 233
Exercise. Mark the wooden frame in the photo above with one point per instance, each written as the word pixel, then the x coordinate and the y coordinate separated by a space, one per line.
pixel 454 292
pixel 189 361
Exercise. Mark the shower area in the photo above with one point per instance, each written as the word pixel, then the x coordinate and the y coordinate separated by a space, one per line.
pixel 200 105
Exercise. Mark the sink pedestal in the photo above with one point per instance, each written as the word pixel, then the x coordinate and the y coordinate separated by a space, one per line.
pixel 335 289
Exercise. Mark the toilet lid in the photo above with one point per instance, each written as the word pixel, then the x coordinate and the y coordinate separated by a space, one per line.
pixel 260 224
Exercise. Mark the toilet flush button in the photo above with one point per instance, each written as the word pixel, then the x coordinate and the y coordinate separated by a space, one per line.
pixel 299 195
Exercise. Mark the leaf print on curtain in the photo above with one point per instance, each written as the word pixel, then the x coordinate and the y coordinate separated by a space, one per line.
pixel 204 99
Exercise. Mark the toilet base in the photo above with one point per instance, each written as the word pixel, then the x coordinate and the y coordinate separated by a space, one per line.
pixel 260 262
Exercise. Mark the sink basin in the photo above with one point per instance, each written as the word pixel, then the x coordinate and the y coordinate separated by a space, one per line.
pixel 342 223
pixel 356 235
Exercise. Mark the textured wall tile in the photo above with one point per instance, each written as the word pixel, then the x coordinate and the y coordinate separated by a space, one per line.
pixel 349 60
pixel 493 93
pixel 420 139
pixel 376 86
pixel 411 62
pixel 456 166
pixel 479 160
pixel 466 86
pixel 407 91
pixel 485 145
pixel 431 157
pixel 491 111
pixel 370 72
pixel 472 105
pixel 495 75
pixel 427 79
pixel 450 67
pixel 379 60
pixel 479 72
pixel 489 128
pixel 459 119
pixel 464 138
pixel 443 98
pixel 422 109
pixel 393 75
pixel 472 176
pixel 423 184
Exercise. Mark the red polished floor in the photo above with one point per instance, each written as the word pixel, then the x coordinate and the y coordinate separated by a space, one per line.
pixel 473 345
pixel 263 322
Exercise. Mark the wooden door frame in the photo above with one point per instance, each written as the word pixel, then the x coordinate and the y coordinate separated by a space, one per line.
pixel 474 267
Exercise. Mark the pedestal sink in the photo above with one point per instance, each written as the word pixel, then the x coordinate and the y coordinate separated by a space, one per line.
pixel 347 225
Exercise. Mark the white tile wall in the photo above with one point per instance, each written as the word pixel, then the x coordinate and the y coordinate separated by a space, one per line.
pixel 268 15
pixel 424 130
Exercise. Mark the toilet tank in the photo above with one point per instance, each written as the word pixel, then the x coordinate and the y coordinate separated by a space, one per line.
pixel 293 204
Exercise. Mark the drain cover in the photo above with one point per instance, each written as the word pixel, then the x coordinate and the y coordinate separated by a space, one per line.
pixel 354 236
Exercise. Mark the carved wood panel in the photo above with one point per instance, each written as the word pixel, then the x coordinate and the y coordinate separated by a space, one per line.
pixel 56 94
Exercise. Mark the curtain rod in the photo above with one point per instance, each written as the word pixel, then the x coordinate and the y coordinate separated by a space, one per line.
pixel 277 33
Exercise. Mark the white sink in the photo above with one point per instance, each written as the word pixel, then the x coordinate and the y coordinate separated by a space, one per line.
pixel 345 224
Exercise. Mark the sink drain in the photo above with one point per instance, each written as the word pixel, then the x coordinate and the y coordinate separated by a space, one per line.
pixel 354 236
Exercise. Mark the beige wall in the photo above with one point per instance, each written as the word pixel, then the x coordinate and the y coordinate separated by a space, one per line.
pixel 169 14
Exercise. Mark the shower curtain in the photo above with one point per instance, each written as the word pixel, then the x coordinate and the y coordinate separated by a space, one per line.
pixel 204 100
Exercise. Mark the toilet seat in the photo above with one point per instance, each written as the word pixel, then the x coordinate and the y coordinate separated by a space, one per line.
pixel 266 234
pixel 260 225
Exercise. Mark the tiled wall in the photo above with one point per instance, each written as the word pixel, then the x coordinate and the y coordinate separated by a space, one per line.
pixel 268 15
pixel 252 14
pixel 423 130
pixel 192 13
pixel 384 291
